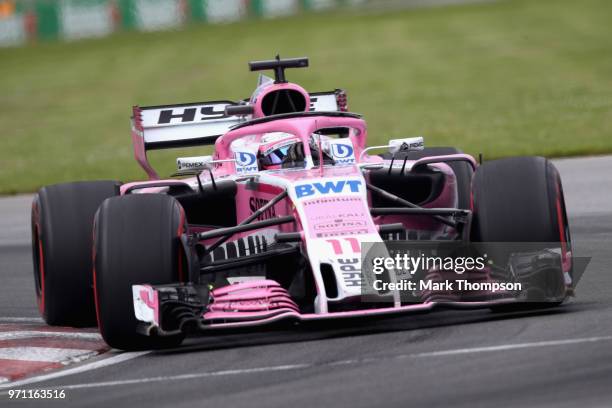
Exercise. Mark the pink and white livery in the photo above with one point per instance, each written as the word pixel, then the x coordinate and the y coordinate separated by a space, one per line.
pixel 274 225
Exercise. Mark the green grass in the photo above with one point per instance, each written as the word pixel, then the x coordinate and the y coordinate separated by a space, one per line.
pixel 504 78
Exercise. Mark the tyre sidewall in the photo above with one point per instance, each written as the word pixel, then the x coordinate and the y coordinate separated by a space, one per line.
pixel 62 222
pixel 137 241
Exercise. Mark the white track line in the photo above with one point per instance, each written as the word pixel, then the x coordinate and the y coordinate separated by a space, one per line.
pixel 290 367
pixel 119 358
pixel 21 320
pixel 46 354
pixel 26 334
pixel 505 347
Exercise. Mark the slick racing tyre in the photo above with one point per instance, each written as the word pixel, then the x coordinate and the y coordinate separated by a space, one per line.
pixel 62 221
pixel 520 200
pixel 136 241
pixel 463 171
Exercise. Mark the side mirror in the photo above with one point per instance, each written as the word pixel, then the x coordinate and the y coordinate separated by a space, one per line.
pixel 409 143
pixel 196 163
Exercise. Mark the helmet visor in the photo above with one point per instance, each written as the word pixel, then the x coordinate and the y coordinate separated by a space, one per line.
pixel 276 157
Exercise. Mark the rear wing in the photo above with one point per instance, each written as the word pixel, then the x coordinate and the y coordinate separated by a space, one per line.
pixel 328 101
pixel 199 124
pixel 182 125
pixel 189 124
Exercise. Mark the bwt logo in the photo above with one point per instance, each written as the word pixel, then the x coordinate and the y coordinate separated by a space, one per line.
pixel 245 158
pixel 328 187
pixel 341 151
pixel 245 162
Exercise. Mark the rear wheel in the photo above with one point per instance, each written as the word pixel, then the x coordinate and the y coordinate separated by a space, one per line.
pixel 136 241
pixel 520 200
pixel 62 220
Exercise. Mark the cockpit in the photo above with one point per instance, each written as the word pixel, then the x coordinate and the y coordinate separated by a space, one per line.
pixel 280 150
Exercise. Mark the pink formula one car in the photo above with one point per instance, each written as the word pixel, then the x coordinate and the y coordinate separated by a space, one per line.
pixel 270 228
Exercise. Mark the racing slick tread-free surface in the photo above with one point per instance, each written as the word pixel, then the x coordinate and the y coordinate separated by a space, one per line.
pixel 519 199
pixel 136 241
pixel 515 200
pixel 62 222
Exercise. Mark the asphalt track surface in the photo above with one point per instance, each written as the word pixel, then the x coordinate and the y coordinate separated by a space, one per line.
pixel 556 358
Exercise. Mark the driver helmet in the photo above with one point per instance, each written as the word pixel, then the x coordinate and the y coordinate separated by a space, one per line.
pixel 275 148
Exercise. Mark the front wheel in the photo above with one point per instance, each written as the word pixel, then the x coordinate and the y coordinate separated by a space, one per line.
pixel 520 200
pixel 136 241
